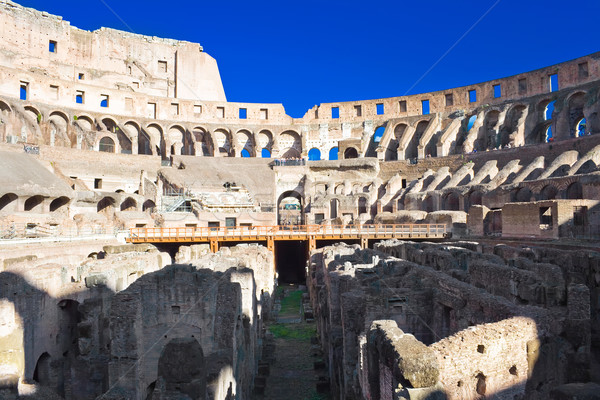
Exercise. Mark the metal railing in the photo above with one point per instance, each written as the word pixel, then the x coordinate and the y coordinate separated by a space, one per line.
pixel 22 231
pixel 287 232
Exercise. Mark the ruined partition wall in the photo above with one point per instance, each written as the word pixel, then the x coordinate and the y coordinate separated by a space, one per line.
pixel 466 308
pixel 190 330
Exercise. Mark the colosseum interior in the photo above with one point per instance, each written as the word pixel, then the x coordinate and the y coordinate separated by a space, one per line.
pixel 160 242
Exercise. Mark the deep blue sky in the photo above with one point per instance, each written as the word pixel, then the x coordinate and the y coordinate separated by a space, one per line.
pixel 302 53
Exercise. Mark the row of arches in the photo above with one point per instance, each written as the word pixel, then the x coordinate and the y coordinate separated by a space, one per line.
pixel 10 202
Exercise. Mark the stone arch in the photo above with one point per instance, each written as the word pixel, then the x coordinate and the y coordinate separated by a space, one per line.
pixel 587 167
pixel 106 144
pixel 245 141
pixel 350 152
pixel 412 147
pixel 264 141
pixel 59 124
pixel 314 154
pixel 129 204
pixel 33 113
pixel 574 191
pixel 514 118
pixel 339 188
pixel 290 144
pixel 204 142
pixel 287 216
pixel 155 132
pixel 333 153
pixel 451 202
pixel 85 122
pixel 59 203
pixel 391 153
pixel 522 195
pixel 487 137
pixel 110 124
pixel 576 104
pixel 548 192
pixel 223 142
pixel 175 140
pixel 4 107
pixel 107 204
pixel 42 372
pixel 182 368
pixel 8 202
pixel 34 203
pixel 149 206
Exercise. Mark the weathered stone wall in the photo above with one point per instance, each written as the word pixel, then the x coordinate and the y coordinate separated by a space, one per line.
pixel 452 296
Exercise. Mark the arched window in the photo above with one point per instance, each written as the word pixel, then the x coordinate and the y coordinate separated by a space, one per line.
pixel 333 153
pixel 245 153
pixel 314 154
pixel 107 145
pixel 265 153
pixel 548 136
pixel 471 122
pixel 350 152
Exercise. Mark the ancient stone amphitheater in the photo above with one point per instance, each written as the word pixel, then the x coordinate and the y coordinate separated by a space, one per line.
pixel 446 243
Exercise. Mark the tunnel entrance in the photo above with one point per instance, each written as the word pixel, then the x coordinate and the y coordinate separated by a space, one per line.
pixel 290 261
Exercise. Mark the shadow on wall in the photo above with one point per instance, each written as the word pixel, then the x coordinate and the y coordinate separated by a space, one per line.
pixel 83 345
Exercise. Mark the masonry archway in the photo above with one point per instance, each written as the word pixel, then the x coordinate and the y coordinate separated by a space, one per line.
pixel 290 208
pixel 182 368
pixel 350 152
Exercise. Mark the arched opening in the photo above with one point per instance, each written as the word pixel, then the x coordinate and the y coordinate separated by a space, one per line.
pixel 129 205
pixel 412 147
pixel 391 153
pixel 182 368
pixel 314 154
pixel 203 139
pixel 334 206
pixel 350 152
pixel 106 204
pixel 576 105
pixel 339 189
pixel 289 209
pixel 291 144
pixel 245 153
pixel 110 124
pixel 58 203
pixel 264 141
pixel 587 167
pixel 362 205
pixel 451 202
pixel 548 192
pixel 575 191
pixel 523 195
pixel 155 134
pixel 333 153
pixel 245 142
pixel 34 113
pixel 223 142
pixel 34 203
pixel 42 371
pixel 8 202
pixel 471 122
pixel 107 145
pixel 148 205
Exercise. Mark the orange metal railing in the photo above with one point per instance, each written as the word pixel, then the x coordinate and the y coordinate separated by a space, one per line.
pixel 287 232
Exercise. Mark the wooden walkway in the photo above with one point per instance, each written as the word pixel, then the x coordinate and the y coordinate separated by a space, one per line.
pixel 270 234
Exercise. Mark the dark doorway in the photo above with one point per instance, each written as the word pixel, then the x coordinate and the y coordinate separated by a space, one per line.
pixel 290 259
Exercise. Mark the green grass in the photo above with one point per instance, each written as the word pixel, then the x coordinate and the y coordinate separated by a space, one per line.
pixel 300 332
pixel 291 303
